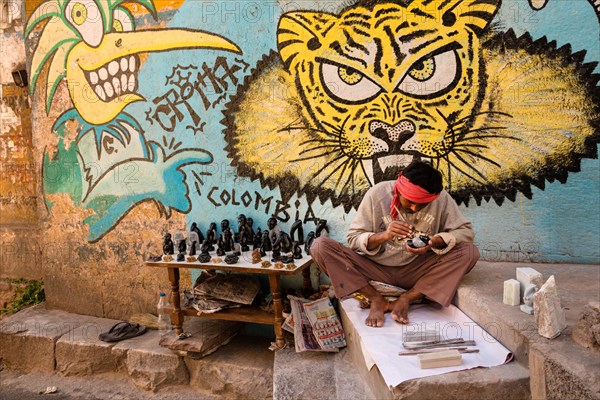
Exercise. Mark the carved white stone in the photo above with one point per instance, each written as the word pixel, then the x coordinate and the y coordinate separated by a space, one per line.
pixel 512 295
pixel 527 276
pixel 549 315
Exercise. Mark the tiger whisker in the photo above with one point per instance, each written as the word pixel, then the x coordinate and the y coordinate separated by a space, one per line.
pixel 343 164
pixel 482 113
pixel 317 156
pixel 450 163
pixel 324 141
pixel 325 146
pixel 316 173
pixel 479 156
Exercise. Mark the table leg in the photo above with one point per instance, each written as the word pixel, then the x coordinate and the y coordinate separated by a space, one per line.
pixel 277 309
pixel 306 283
pixel 177 314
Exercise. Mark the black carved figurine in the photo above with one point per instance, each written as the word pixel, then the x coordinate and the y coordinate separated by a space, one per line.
pixel 310 238
pixel 168 247
pixel 297 251
pixel 322 228
pixel 194 228
pixel 297 227
pixel 211 236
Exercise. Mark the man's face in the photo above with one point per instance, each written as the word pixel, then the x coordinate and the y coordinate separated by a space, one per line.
pixel 411 207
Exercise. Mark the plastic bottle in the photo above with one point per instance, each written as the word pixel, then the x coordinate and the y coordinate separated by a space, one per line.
pixel 164 322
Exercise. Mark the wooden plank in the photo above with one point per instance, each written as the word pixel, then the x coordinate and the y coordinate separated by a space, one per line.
pixel 240 314
pixel 242 266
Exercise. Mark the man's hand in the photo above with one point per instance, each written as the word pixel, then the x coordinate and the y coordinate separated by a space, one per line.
pixel 435 242
pixel 395 230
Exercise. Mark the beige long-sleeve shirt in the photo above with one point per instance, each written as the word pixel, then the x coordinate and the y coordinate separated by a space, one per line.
pixel 441 217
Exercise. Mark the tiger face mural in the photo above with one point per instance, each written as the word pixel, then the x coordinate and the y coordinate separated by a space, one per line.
pixel 351 99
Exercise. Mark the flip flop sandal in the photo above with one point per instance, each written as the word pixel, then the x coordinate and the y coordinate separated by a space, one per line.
pixel 122 331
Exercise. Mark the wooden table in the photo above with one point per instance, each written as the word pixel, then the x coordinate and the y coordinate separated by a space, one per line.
pixel 244 313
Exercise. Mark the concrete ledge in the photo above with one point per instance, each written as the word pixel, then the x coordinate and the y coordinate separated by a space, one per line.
pixel 509 381
pixel 558 367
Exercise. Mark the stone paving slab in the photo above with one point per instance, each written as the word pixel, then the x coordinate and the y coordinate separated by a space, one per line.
pixel 28 338
pixel 80 352
pixel 242 369
pixel 149 365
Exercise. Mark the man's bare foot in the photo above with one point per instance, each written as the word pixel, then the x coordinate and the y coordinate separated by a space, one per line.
pixel 399 309
pixel 376 315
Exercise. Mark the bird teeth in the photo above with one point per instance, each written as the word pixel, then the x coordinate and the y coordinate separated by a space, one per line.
pixel 100 92
pixel 117 85
pixel 132 66
pixel 103 73
pixel 109 89
pixel 124 82
pixel 115 78
pixel 131 83
pixel 113 68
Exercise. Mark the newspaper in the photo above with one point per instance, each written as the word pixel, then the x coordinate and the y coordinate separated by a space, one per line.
pixel 316 325
pixel 214 292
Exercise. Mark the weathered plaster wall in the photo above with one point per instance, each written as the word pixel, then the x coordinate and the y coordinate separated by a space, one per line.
pixel 146 119
pixel 19 248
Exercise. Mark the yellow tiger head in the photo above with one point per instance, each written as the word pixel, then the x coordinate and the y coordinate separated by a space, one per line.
pixel 351 99
pixel 388 82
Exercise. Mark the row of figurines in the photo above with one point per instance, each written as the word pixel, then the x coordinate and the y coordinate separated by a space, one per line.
pixel 272 240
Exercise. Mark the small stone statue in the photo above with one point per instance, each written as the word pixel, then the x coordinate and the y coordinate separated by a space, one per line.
pixel 205 248
pixel 297 251
pixel 322 228
pixel 182 246
pixel 225 226
pixel 211 236
pixel 265 244
pixel 231 259
pixel 193 242
pixel 297 227
pixel 181 257
pixel 228 241
pixel 530 291
pixel 204 257
pixel 256 256
pixel 280 241
pixel 257 239
pixel 244 232
pixel 194 228
pixel 168 247
pixel 310 238
pixel 220 250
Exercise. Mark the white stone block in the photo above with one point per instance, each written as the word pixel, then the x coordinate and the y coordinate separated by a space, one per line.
pixel 512 294
pixel 527 276
pixel 549 315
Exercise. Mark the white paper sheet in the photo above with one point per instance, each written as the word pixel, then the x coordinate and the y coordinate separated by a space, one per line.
pixel 382 345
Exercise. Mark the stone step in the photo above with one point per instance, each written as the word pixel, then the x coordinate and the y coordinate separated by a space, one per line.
pixel 317 376
pixel 51 341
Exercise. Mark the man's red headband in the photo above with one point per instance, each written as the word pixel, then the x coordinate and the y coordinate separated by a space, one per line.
pixel 411 192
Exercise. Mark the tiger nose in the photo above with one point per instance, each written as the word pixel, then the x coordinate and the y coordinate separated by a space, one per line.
pixel 401 131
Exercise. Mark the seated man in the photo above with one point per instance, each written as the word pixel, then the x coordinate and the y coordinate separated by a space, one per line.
pixel 416 204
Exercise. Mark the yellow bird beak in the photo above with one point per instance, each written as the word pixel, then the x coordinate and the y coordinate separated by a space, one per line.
pixel 102 81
